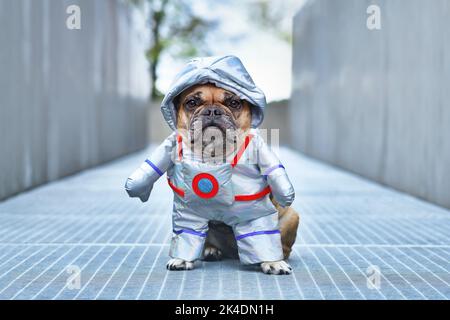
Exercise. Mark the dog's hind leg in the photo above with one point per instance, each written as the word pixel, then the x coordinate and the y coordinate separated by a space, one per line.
pixel 220 242
pixel 288 228
pixel 211 253
pixel 288 220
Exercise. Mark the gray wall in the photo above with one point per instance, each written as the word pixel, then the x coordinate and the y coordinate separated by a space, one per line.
pixel 376 102
pixel 69 99
pixel 159 129
pixel 276 116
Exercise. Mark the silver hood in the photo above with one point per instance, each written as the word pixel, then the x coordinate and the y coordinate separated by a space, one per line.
pixel 226 72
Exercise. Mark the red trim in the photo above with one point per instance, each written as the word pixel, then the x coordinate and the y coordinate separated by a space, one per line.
pixel 240 197
pixel 241 150
pixel 197 190
pixel 250 197
pixel 180 147
pixel 177 190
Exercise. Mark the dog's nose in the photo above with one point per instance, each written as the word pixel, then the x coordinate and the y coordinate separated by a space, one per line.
pixel 212 111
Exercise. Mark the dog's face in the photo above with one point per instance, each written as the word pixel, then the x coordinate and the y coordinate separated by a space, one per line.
pixel 208 114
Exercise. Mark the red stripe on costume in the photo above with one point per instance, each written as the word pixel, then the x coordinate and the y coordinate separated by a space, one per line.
pixel 180 147
pixel 241 150
pixel 177 190
pixel 250 197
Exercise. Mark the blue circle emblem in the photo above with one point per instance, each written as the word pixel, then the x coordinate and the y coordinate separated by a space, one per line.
pixel 205 185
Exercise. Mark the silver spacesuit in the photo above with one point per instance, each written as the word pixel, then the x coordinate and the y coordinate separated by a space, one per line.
pixel 235 192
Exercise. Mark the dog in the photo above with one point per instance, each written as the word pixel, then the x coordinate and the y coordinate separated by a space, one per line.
pixel 231 192
pixel 195 106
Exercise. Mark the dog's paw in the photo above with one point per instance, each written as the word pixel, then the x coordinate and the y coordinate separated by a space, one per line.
pixel 179 264
pixel 211 253
pixel 276 267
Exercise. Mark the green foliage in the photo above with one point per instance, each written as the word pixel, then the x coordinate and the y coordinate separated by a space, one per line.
pixel 270 15
pixel 176 30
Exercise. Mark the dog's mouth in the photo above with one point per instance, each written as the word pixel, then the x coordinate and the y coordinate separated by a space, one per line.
pixel 212 137
pixel 207 130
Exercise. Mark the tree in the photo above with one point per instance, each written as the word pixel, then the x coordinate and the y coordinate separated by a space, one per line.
pixel 271 16
pixel 175 29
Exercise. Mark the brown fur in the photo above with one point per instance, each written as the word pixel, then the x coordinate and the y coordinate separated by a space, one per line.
pixel 221 236
pixel 210 94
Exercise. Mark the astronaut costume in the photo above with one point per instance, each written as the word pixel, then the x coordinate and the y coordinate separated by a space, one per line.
pixel 235 192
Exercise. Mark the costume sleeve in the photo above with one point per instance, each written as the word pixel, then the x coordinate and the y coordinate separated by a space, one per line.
pixel 141 181
pixel 275 173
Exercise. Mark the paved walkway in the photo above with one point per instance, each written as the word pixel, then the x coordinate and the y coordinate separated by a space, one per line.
pixel 350 229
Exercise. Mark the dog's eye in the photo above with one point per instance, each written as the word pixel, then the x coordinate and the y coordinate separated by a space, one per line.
pixel 234 104
pixel 191 103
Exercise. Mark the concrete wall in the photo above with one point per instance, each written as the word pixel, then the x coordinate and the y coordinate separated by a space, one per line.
pixel 69 99
pixel 376 102
pixel 276 116
pixel 158 130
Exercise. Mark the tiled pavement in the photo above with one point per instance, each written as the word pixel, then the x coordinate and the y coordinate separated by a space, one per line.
pixel 121 246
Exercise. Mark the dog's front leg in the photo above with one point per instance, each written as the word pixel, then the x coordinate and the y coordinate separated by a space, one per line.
pixel 179 264
pixel 276 267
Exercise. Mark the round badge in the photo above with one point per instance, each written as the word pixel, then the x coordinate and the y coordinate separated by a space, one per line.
pixel 205 185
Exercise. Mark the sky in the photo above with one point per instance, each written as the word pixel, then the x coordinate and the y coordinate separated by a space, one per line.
pixel 266 56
